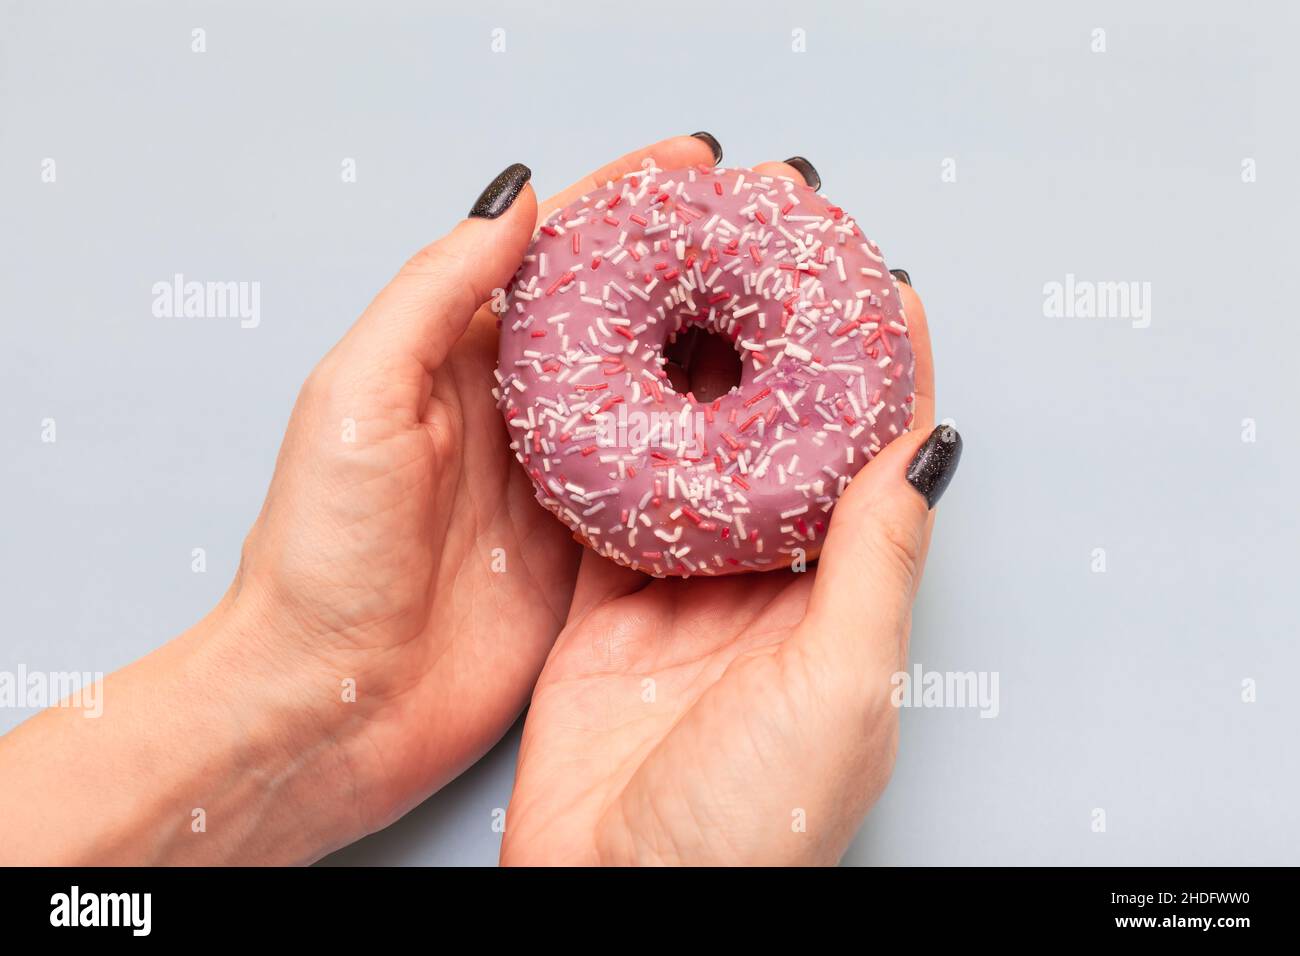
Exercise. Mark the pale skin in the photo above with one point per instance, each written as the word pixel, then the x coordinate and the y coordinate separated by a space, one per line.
pixel 368 651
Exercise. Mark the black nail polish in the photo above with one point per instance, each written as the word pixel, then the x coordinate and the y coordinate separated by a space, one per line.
pixel 901 275
pixel 501 192
pixel 807 170
pixel 935 464
pixel 713 144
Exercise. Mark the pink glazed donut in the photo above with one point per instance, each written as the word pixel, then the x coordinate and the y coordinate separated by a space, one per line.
pixel 656 480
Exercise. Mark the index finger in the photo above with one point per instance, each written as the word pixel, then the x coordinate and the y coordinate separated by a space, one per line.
pixel 676 151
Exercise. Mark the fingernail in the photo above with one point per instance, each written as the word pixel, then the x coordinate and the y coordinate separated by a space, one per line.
pixel 501 192
pixel 807 170
pixel 901 275
pixel 713 143
pixel 935 464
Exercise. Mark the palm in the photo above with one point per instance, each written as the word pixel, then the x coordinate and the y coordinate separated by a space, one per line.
pixel 388 550
pixel 507 566
pixel 500 575
pixel 504 567
pixel 652 719
pixel 399 580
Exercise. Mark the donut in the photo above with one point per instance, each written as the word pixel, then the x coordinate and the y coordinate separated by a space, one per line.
pixel 660 481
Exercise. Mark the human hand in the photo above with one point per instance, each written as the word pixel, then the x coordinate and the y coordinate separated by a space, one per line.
pixel 368 649
pixel 414 558
pixel 700 721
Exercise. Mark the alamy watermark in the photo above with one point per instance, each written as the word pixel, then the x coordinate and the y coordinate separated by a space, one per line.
pixel 1085 299
pixel 178 298
pixel 637 429
pixel 37 690
pixel 940 689
pixel 133 911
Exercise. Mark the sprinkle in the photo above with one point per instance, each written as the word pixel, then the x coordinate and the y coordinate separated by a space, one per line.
pixel 790 281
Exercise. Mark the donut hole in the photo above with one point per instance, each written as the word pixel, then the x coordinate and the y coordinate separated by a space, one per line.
pixel 702 362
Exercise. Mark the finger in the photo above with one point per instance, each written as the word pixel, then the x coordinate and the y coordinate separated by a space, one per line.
pixel 600 580
pixel 425 309
pixel 918 332
pixel 919 335
pixel 781 171
pixel 676 151
pixel 672 153
pixel 871 562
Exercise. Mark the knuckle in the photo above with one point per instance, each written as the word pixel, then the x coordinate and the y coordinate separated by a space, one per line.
pixel 321 384
pixel 446 428
pixel 445 267
pixel 900 541
pixel 247 561
pixel 318 381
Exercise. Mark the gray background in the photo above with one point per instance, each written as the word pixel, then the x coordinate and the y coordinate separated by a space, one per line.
pixel 1119 690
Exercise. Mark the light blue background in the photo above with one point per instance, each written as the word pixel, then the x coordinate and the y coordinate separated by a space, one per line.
pixel 1119 691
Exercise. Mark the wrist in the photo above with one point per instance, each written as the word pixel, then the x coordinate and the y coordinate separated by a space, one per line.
pixel 207 751
pixel 280 729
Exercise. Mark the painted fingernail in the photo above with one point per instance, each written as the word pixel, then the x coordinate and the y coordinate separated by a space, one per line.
pixel 807 170
pixel 713 144
pixel 501 192
pixel 901 275
pixel 935 464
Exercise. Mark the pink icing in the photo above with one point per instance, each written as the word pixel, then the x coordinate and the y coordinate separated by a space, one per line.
pixel 656 480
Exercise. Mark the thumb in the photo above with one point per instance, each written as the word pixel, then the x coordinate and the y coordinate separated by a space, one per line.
pixel 870 566
pixel 426 308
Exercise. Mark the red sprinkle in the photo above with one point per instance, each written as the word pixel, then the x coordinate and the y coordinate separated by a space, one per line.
pixel 562 280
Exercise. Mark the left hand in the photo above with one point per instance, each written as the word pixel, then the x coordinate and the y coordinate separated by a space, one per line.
pixel 737 720
pixel 400 556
